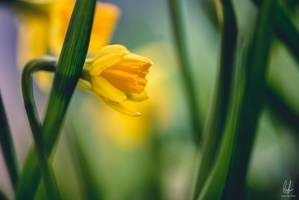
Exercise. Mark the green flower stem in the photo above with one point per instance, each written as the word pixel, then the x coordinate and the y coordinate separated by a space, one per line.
pixel 218 112
pixel 68 71
pixel 185 65
pixel 7 146
pixel 27 90
pixel 227 178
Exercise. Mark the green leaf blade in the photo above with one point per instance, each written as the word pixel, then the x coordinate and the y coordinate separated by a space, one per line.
pixel 69 67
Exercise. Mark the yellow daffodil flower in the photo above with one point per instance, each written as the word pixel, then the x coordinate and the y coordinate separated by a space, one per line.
pixel 117 75
pixel 136 132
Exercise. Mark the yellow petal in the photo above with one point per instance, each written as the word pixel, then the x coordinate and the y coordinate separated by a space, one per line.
pixel 120 108
pixel 128 75
pixel 103 88
pixel 138 58
pixel 138 97
pixel 108 56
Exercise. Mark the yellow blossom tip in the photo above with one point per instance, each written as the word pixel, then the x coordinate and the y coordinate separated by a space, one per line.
pixel 107 57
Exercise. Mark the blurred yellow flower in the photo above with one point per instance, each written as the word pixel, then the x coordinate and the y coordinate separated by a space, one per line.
pixel 32 35
pixel 42 31
pixel 117 75
pixel 33 41
pixel 105 18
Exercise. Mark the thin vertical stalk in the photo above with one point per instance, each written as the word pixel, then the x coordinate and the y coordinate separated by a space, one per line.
pixel 68 71
pixel 7 146
pixel 179 30
pixel 218 113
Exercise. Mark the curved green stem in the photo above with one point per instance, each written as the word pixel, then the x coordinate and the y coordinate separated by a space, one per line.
pixel 48 64
pixel 8 146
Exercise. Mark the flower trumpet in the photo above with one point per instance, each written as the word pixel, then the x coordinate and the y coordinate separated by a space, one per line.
pixel 116 75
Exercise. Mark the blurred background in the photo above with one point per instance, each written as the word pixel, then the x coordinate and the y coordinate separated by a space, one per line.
pixel 152 156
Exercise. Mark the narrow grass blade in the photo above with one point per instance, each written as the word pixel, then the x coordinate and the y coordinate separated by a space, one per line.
pixel 7 146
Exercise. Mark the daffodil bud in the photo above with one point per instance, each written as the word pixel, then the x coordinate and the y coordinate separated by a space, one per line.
pixel 116 75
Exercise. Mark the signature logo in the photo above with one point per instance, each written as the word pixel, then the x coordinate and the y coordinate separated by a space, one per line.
pixel 286 189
